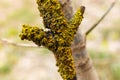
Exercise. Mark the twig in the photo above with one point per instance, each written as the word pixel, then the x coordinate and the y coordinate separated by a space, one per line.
pixel 5 41
pixel 94 25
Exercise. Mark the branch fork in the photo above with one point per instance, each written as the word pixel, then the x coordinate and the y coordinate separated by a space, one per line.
pixel 59 37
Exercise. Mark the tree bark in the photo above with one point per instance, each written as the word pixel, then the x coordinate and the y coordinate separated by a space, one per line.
pixel 83 64
pixel 60 37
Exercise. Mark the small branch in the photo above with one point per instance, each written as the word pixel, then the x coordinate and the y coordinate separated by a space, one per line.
pixel 104 15
pixel 5 41
pixel 67 8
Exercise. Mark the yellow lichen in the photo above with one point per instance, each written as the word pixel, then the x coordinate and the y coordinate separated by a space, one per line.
pixel 65 63
pixel 60 36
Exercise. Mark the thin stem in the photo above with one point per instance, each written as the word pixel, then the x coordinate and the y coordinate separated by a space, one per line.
pixel 5 41
pixel 104 15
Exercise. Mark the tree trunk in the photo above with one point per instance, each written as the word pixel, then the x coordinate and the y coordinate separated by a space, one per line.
pixel 60 37
pixel 84 67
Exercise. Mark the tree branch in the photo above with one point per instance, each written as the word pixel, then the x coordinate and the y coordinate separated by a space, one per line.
pixel 67 8
pixel 104 15
pixel 60 36
pixel 7 42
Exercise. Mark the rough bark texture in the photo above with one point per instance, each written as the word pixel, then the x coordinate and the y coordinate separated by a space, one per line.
pixel 59 37
pixel 84 67
pixel 67 8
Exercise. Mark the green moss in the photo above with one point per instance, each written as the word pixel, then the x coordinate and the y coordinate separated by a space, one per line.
pixel 60 36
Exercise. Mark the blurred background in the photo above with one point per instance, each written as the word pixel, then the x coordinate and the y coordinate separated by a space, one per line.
pixel 22 63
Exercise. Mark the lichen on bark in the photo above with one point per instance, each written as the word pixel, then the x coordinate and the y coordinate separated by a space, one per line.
pixel 60 36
